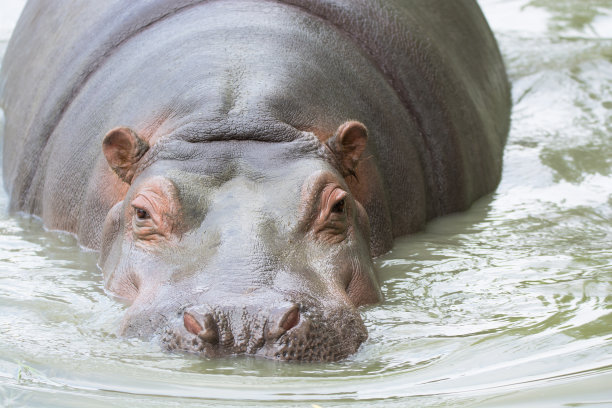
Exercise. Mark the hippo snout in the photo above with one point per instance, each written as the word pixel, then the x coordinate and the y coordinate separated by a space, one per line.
pixel 284 332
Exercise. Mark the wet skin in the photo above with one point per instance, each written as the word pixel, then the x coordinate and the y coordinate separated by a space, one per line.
pixel 238 163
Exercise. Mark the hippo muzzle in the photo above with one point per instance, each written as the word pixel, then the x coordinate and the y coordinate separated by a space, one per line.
pixel 283 332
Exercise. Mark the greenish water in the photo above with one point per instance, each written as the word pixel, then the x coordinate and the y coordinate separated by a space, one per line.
pixel 508 304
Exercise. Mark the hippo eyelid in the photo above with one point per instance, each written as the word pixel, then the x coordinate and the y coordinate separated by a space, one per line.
pixel 144 203
pixel 340 206
pixel 141 213
pixel 332 222
pixel 317 202
pixel 145 217
pixel 335 206
pixel 337 197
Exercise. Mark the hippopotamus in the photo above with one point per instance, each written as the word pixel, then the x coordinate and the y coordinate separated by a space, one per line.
pixel 238 164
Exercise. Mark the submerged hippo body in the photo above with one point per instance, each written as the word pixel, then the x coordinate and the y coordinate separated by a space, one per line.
pixel 237 163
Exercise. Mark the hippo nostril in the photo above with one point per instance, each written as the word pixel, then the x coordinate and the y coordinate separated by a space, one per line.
pixel 282 320
pixel 210 334
pixel 291 319
pixel 191 324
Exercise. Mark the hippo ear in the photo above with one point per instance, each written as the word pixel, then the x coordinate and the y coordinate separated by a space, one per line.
pixel 348 143
pixel 123 148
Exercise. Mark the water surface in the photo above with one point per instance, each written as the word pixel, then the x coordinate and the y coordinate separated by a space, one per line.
pixel 507 304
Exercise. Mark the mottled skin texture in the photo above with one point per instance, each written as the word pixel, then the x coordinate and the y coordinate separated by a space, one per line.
pixel 237 163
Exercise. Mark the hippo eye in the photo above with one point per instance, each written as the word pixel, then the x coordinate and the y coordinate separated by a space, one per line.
pixel 339 206
pixel 142 214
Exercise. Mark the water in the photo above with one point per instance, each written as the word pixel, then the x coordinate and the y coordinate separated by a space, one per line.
pixel 507 304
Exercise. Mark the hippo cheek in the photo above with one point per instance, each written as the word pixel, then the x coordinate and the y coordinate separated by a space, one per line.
pixel 125 277
pixel 110 231
pixel 151 311
pixel 354 278
pixel 140 322
pixel 363 288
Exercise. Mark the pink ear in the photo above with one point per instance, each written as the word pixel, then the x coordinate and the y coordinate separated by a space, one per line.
pixel 123 148
pixel 348 144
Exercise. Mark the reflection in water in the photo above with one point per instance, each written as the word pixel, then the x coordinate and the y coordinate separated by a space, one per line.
pixel 505 304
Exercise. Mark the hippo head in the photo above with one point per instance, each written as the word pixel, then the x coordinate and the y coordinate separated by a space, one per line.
pixel 241 245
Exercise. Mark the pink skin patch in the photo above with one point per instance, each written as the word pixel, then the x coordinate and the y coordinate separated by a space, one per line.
pixel 191 324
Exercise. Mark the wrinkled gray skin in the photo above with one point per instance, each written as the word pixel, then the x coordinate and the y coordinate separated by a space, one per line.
pixel 238 198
